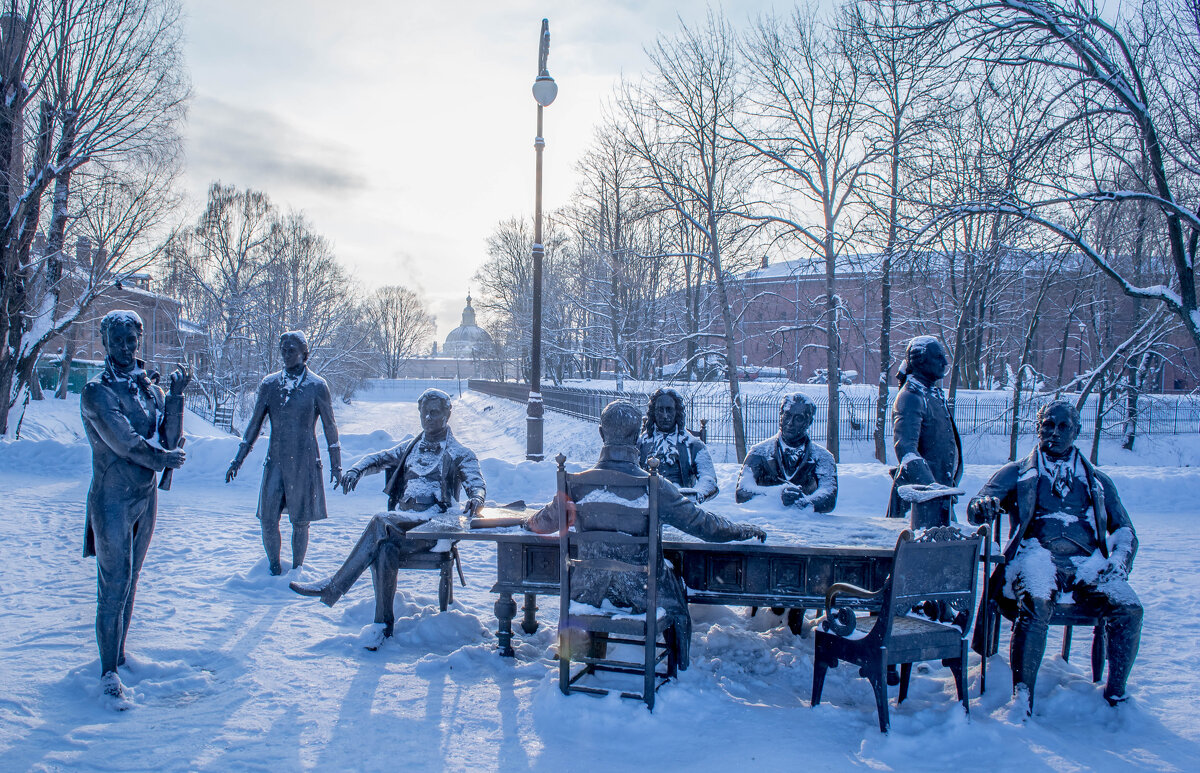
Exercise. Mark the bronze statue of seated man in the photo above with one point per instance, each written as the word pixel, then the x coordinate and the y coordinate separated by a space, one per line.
pixel 429 471
pixel 804 472
pixel 683 458
pixel 1069 535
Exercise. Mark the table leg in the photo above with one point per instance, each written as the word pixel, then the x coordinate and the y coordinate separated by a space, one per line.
pixel 506 610
pixel 530 624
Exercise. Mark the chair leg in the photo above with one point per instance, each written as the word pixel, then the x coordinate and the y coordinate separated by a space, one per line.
pixel 650 680
pixel 1099 650
pixel 878 681
pixel 445 587
pixel 671 636
pixel 820 666
pixel 956 668
pixel 1066 650
pixel 564 662
pixel 905 673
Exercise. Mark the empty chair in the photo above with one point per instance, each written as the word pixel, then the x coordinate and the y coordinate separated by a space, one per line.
pixel 936 572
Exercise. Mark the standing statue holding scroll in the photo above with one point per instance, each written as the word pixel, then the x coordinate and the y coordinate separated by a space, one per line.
pixel 926 438
pixel 134 430
pixel 294 398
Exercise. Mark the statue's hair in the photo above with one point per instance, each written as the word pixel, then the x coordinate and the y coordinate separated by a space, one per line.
pixel 620 420
pixel 122 316
pixel 1067 405
pixel 798 397
pixel 298 337
pixel 916 345
pixel 680 419
pixel 433 394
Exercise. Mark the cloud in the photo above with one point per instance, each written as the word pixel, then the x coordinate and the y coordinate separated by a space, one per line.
pixel 256 148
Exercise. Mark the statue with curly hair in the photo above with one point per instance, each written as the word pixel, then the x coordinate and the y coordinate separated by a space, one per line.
pixel 135 430
pixel 683 458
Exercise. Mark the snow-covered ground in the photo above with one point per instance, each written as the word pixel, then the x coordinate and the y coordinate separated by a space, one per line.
pixel 230 670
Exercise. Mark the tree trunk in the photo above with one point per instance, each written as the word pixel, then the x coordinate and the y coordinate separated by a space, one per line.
pixel 64 373
pixel 885 308
pixel 833 351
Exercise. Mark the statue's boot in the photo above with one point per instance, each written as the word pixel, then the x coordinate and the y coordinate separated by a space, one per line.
pixel 319 590
pixel 1029 642
pixel 115 694
pixel 1123 626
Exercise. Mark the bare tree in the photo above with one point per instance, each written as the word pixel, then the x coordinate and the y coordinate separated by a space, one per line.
pixel 106 77
pixel 807 121
pixel 219 270
pixel 907 83
pixel 506 281
pixel 1109 109
pixel 677 118
pixel 401 326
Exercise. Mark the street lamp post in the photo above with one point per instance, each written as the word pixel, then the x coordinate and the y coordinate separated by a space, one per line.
pixel 544 92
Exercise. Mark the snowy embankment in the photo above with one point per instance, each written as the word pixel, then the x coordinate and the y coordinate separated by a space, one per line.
pixel 230 670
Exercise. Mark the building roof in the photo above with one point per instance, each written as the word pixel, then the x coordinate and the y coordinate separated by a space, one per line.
pixel 468 339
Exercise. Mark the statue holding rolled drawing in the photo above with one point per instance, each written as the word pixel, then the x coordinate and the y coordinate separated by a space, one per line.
pixel 926 439
pixel 135 430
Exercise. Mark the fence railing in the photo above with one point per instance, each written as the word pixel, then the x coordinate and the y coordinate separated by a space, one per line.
pixel 215 410
pixel 974 414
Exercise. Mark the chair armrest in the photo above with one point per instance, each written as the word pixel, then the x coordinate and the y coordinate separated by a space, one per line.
pixel 849 590
pixel 841 620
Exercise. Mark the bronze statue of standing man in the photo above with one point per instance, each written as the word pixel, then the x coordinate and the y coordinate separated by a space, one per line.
pixel 926 439
pixel 134 430
pixel 293 398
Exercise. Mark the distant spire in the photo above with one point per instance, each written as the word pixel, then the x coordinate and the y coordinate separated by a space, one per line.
pixel 468 315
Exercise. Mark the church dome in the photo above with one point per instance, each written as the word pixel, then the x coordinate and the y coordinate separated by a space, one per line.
pixel 468 340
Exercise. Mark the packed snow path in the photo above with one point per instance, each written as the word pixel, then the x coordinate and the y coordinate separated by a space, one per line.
pixel 230 670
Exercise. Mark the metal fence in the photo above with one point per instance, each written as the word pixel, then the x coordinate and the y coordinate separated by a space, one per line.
pixel 215 410
pixel 974 414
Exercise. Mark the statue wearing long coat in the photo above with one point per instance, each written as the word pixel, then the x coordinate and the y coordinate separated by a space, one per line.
pixel 292 472
pixel 129 422
pixel 926 438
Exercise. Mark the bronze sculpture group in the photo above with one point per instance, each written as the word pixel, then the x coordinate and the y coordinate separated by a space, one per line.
pixel 1068 531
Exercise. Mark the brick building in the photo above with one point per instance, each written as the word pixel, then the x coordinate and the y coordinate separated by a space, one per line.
pixel 167 338
pixel 791 295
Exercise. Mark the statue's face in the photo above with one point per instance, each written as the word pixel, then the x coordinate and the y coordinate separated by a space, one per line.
pixel 1056 432
pixel 665 414
pixel 930 365
pixel 435 415
pixel 121 344
pixel 292 353
pixel 794 423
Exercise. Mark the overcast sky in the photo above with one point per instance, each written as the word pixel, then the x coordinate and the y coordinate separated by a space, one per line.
pixel 404 130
